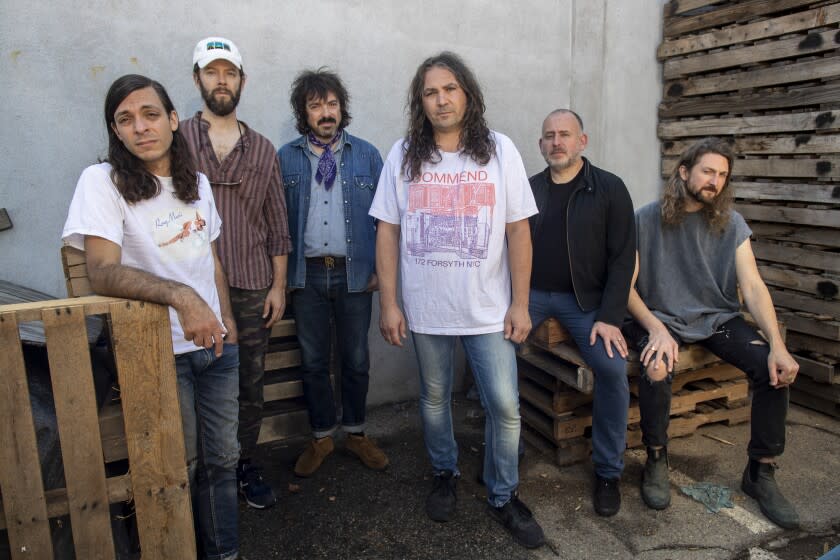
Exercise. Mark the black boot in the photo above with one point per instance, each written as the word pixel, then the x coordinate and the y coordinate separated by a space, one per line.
pixel 759 482
pixel 656 489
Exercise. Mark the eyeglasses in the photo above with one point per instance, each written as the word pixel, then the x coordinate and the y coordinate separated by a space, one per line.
pixel 231 184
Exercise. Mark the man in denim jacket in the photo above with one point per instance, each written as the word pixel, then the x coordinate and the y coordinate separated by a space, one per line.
pixel 330 177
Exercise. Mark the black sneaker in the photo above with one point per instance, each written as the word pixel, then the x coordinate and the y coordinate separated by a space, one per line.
pixel 440 503
pixel 519 522
pixel 606 499
pixel 770 499
pixel 257 493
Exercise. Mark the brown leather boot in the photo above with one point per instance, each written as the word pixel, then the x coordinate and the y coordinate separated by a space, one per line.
pixel 370 455
pixel 314 454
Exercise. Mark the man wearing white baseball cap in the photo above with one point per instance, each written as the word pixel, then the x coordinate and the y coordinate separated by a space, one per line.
pixel 245 176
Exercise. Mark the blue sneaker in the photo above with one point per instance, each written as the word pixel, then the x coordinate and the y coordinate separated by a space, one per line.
pixel 253 488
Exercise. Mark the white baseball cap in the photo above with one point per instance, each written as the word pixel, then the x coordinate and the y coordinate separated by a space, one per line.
pixel 214 48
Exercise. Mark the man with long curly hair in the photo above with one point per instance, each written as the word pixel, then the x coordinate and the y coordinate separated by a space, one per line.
pixel 453 204
pixel 129 215
pixel 584 248
pixel 693 255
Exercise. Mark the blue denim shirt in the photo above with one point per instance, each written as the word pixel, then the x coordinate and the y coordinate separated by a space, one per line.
pixel 361 165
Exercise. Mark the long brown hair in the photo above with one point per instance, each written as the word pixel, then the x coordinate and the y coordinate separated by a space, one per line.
pixel 476 140
pixel 676 191
pixel 132 179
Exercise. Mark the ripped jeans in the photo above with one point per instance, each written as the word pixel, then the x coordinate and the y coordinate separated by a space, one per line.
pixel 739 344
pixel 208 390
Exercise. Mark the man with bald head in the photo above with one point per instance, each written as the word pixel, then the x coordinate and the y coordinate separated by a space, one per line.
pixel 584 251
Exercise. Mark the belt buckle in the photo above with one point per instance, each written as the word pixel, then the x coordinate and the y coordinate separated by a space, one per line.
pixel 329 262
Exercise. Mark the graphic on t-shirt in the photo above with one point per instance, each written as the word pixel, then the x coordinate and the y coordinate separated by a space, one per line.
pixel 190 227
pixel 182 234
pixel 450 213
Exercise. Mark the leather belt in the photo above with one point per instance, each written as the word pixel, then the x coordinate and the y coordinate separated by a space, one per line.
pixel 328 262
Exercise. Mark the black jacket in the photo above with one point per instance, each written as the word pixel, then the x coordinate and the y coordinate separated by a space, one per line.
pixel 601 232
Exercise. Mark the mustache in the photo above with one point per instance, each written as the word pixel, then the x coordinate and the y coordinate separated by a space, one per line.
pixel 324 120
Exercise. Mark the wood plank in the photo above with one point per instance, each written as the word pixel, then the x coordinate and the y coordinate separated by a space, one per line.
pixel 119 490
pixel 800 341
pixel 770 145
pixel 778 74
pixel 729 13
pixel 825 193
pixel 81 450
pixel 813 284
pixel 797 256
pixel 800 45
pixel 287 425
pixel 824 167
pixel 578 377
pixel 284 359
pixel 829 393
pixel 31 311
pixel 807 325
pixel 802 302
pixel 283 327
pixel 820 372
pixel 749 102
pixel 154 436
pixel 807 216
pixel 815 403
pixel 679 7
pixel 800 234
pixel 550 331
pixel 24 502
pixel 786 122
pixel 763 29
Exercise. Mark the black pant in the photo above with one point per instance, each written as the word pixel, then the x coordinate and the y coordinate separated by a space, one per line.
pixel 739 344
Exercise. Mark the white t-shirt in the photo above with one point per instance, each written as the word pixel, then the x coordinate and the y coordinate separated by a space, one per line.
pixel 162 235
pixel 453 251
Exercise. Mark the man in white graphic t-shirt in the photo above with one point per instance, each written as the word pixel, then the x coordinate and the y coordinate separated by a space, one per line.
pixel 453 203
pixel 148 223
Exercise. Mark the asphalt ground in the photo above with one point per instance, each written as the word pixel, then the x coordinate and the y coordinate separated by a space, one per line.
pixel 345 511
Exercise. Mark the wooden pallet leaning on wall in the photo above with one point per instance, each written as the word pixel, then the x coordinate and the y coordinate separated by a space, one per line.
pixel 765 75
pixel 157 480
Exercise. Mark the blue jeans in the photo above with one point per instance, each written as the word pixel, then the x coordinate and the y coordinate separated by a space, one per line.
pixel 493 362
pixel 326 294
pixel 612 392
pixel 208 390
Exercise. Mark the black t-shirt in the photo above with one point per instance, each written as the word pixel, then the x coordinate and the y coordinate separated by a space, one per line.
pixel 550 271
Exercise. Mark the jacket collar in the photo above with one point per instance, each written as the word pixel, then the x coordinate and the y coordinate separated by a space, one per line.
pixel 587 174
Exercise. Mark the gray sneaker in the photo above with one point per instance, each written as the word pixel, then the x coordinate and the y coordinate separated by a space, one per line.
pixel 656 488
pixel 770 499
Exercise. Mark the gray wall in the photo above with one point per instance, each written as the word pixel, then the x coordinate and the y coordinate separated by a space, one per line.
pixel 57 60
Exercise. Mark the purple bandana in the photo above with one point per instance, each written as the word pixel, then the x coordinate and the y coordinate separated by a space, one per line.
pixel 326 164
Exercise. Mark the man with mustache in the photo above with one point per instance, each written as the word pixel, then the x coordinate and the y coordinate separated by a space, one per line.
pixel 254 244
pixel 693 255
pixel 330 177
pixel 583 264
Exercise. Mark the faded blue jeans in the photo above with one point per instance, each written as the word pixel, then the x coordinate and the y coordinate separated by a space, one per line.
pixel 611 396
pixel 493 362
pixel 208 390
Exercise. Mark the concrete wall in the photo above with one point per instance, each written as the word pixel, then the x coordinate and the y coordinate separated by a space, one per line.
pixel 57 60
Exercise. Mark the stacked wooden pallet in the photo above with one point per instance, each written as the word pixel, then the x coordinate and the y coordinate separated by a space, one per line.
pixel 555 390
pixel 765 74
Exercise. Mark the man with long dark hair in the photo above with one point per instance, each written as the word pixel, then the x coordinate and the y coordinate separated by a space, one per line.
pixel 242 168
pixel 583 264
pixel 148 224
pixel 453 204
pixel 330 177
pixel 693 255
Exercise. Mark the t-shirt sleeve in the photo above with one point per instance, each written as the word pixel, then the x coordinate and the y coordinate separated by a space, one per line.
pixel 96 209
pixel 742 230
pixel 214 220
pixel 385 205
pixel 520 202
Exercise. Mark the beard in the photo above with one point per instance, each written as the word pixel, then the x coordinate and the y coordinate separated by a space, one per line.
pixel 697 194
pixel 220 107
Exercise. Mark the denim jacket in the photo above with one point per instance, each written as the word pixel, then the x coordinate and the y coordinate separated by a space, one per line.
pixel 361 165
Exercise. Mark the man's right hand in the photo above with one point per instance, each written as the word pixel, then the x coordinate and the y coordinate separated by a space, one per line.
pixel 200 323
pixel 661 346
pixel 392 324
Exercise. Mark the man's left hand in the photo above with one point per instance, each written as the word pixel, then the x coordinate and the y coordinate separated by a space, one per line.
pixel 783 368
pixel 611 336
pixel 517 324
pixel 274 306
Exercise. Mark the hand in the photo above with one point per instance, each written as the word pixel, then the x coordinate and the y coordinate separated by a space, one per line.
pixel 392 324
pixel 372 283
pixel 200 324
pixel 517 323
pixel 274 306
pixel 232 336
pixel 661 346
pixel 611 335
pixel 783 368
